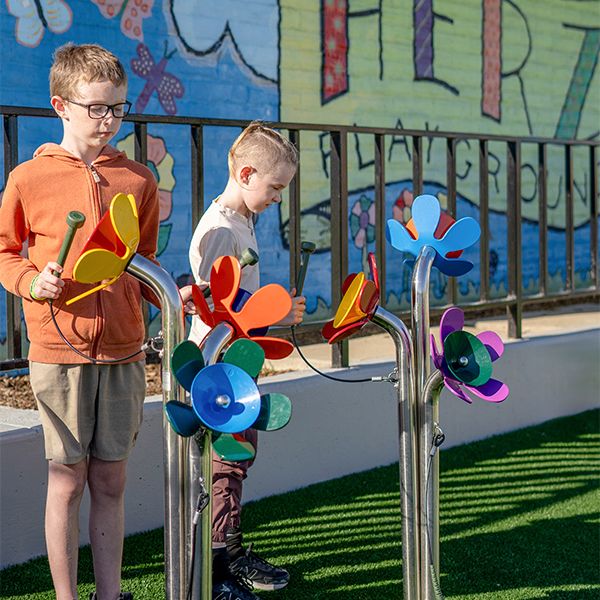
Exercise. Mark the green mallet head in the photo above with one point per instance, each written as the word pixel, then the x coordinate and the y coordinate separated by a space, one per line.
pixel 248 258
pixel 75 219
pixel 308 247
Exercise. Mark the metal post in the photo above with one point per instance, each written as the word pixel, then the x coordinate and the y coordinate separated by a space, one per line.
pixel 427 414
pixel 200 469
pixel 407 449
pixel 430 486
pixel 175 447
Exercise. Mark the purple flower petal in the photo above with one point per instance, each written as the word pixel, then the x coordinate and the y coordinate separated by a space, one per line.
pixel 493 342
pixel 492 391
pixel 435 355
pixel 452 320
pixel 456 389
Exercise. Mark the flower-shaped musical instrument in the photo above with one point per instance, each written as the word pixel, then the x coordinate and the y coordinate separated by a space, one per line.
pixel 265 307
pixel 225 397
pixel 466 359
pixel 446 237
pixel 109 248
pixel 359 302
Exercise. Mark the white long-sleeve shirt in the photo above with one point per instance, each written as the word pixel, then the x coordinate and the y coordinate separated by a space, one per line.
pixel 220 232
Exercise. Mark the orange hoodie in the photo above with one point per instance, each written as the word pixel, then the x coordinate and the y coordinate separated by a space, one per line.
pixel 38 196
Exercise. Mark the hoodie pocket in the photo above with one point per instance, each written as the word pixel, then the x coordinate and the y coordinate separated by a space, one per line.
pixel 122 312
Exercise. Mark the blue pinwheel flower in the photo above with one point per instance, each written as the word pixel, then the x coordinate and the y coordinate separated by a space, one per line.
pixel 225 398
pixel 421 232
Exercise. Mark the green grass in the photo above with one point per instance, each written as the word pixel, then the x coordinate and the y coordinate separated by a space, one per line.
pixel 518 514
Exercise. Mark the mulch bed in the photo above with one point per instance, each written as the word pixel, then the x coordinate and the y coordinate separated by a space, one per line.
pixel 16 391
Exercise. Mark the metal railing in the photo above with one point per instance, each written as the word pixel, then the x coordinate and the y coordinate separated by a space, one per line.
pixel 513 303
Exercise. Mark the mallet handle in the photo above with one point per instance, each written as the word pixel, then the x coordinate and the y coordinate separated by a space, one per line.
pixel 306 249
pixel 75 220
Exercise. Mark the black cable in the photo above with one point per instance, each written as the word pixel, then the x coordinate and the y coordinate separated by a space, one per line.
pixel 83 355
pixel 192 561
pixel 438 440
pixel 367 380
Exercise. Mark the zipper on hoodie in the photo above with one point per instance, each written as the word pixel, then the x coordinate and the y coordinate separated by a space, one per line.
pixel 97 208
pixel 94 173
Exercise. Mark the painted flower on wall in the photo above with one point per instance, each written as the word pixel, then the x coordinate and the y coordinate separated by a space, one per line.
pixel 401 207
pixel 161 163
pixel 362 225
pixel 132 13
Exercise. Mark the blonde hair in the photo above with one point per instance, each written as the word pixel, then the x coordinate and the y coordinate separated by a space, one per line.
pixel 87 63
pixel 262 147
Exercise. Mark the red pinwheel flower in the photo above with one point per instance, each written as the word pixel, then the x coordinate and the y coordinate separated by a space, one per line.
pixel 359 302
pixel 265 307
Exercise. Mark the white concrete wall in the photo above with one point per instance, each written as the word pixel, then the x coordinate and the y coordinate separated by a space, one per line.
pixel 336 429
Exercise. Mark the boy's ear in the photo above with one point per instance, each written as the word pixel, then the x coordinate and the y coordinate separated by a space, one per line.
pixel 58 104
pixel 245 174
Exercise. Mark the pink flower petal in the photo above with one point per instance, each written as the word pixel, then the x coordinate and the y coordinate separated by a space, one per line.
pixel 156 149
pixel 491 391
pixel 165 203
pixel 493 342
pixel 360 238
pixel 371 212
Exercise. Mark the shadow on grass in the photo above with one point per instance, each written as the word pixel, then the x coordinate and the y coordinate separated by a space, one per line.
pixel 517 511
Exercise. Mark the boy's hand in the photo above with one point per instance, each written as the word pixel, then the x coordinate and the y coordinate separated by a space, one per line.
pixel 189 308
pixel 48 286
pixel 295 316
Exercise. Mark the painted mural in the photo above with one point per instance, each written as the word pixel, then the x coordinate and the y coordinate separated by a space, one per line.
pixel 506 67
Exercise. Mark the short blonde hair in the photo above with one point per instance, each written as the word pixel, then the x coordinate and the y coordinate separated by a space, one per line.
pixel 86 63
pixel 261 147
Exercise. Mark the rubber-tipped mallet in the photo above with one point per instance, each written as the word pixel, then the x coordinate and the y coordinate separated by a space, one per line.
pixel 306 249
pixel 75 220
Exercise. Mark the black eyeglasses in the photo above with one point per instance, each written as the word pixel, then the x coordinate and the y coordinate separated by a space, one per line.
pixel 99 111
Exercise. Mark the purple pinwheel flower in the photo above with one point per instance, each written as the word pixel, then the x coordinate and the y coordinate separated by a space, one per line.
pixel 421 229
pixel 466 359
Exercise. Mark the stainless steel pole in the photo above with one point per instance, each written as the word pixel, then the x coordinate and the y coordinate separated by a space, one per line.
pixel 407 449
pixel 431 484
pixel 175 447
pixel 200 470
pixel 426 416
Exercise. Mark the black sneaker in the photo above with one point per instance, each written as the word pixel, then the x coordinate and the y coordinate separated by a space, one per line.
pixel 227 586
pixel 260 573
pixel 245 563
pixel 122 596
pixel 232 588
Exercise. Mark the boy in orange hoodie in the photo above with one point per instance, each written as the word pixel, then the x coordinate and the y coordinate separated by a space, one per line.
pixel 90 412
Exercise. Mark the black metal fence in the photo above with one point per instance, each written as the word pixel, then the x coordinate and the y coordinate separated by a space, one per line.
pixel 514 302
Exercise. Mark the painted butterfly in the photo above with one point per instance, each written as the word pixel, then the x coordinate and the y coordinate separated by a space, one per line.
pixel 167 86
pixel 35 16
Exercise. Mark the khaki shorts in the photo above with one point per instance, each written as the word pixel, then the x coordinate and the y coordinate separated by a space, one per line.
pixel 89 409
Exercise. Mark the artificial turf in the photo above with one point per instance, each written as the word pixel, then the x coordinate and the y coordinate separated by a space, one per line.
pixel 519 519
